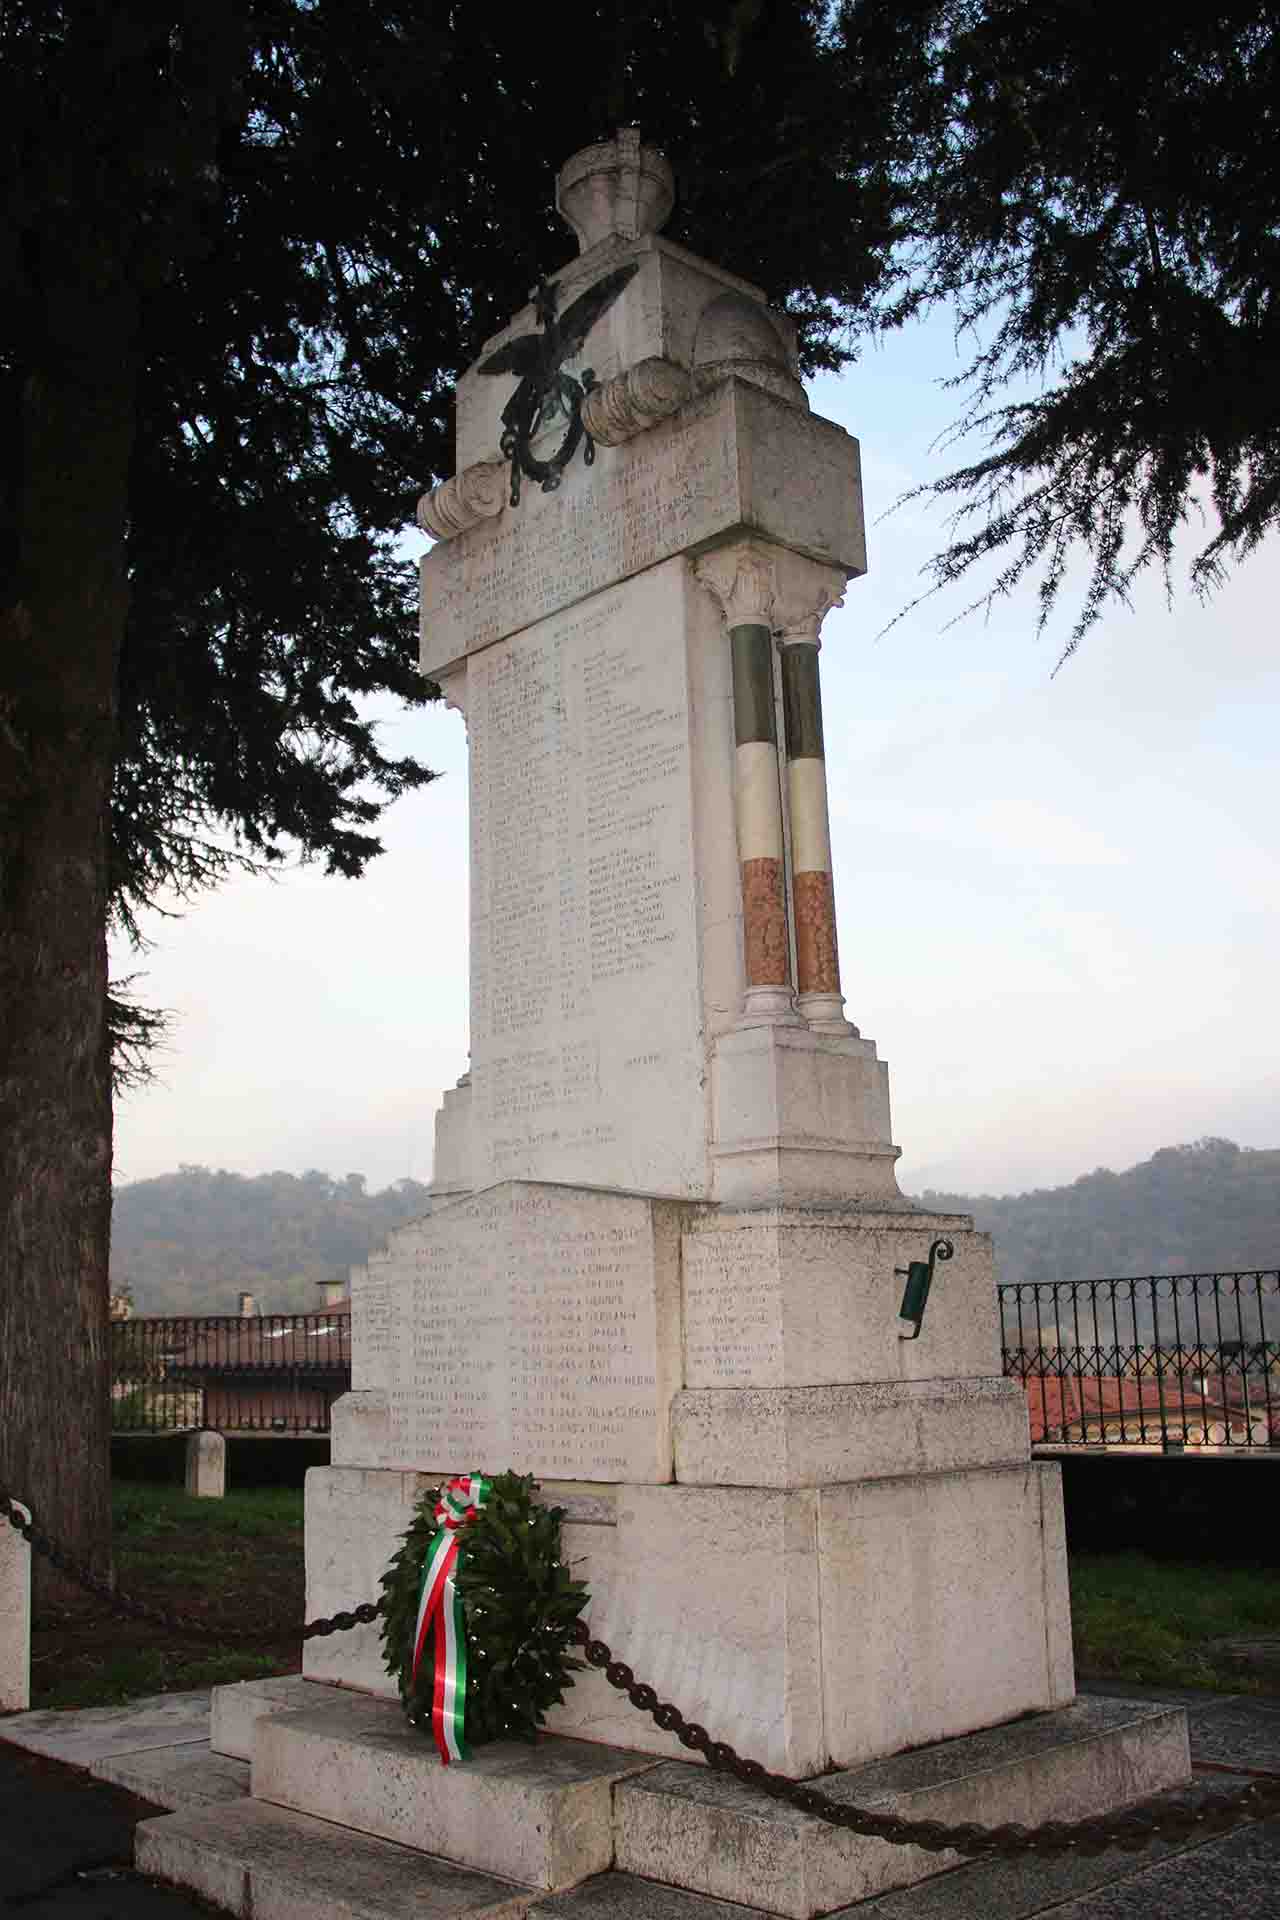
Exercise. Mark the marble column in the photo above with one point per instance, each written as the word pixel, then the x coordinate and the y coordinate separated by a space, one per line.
pixel 741 579
pixel 806 593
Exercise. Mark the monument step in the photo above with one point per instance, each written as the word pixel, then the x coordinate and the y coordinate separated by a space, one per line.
pixel 235 1709
pixel 541 1815
pixel 177 1777
pixel 709 1833
pixel 265 1863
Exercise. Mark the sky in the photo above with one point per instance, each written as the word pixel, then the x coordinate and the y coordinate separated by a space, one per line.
pixel 1057 895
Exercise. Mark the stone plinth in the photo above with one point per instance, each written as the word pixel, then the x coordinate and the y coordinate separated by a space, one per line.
pixel 835 1625
pixel 542 1817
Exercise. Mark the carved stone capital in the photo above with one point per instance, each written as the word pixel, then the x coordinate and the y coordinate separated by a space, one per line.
pixel 624 406
pixel 805 593
pixel 741 579
pixel 477 493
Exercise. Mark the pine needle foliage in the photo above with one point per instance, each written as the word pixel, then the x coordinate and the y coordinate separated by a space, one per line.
pixel 521 1603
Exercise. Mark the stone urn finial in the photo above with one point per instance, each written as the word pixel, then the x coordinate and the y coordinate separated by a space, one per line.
pixel 617 187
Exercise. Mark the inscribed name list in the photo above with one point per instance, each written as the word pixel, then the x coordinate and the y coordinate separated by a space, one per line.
pixel 586 1041
pixel 521 1328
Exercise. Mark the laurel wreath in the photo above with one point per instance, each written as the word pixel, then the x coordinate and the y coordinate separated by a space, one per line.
pixel 520 1601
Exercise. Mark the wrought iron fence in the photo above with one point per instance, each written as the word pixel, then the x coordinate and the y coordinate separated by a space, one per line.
pixel 1167 1361
pixel 269 1373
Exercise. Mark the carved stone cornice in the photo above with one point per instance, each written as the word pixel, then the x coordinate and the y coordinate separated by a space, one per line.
pixel 477 493
pixel 620 408
pixel 740 577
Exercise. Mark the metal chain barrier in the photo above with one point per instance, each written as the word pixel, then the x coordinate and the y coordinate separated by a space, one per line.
pixel 1132 1830
pixel 129 1607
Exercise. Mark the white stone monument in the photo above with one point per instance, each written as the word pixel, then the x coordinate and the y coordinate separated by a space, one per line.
pixel 662 1266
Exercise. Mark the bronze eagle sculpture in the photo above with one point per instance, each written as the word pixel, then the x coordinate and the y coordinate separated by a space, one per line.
pixel 545 388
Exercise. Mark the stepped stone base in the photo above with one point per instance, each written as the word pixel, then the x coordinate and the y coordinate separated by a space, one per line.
pixel 713 1835
pixel 541 1815
pixel 177 1777
pixel 261 1863
pixel 372 1827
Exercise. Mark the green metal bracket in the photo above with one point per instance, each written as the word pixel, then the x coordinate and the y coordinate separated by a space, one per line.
pixel 919 1278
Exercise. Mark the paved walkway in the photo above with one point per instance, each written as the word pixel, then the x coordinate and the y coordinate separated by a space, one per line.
pixel 66 1839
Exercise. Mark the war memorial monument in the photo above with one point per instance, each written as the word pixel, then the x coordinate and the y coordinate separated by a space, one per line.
pixel 663 1266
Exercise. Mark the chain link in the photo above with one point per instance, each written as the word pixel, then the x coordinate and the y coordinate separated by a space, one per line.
pixel 128 1607
pixel 1131 1830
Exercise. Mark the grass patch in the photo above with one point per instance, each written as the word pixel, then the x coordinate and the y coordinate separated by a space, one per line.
pixel 140 1511
pixel 131 1673
pixel 233 1563
pixel 1154 1621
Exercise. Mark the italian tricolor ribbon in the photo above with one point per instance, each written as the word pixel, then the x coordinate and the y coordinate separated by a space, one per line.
pixel 440 1615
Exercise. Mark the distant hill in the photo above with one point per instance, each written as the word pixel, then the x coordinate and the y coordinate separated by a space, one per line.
pixel 1190 1209
pixel 191 1241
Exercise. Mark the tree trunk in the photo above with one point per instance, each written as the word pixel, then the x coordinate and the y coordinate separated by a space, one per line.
pixel 60 637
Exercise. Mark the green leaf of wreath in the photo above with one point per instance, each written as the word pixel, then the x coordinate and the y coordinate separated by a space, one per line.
pixel 521 1603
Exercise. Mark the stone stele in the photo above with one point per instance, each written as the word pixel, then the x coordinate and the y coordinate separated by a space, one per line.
pixel 661 1269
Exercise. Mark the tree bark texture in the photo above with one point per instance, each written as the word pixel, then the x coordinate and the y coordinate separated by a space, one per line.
pixel 60 636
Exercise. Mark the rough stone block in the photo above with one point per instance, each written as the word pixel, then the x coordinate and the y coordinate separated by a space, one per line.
pixel 541 1815
pixel 236 1709
pixel 944 1606
pixel 717 1836
pixel 796 1297
pixel 817 1436
pixel 263 1863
